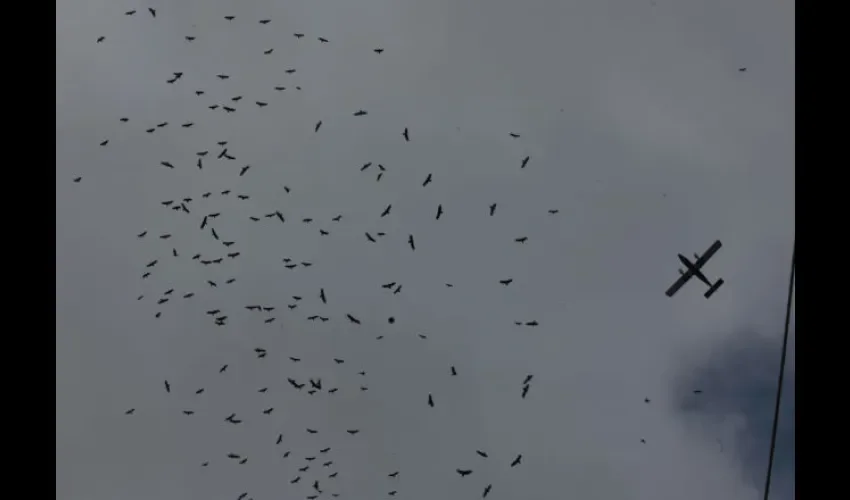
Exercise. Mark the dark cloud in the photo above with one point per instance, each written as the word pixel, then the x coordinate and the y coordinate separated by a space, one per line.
pixel 738 380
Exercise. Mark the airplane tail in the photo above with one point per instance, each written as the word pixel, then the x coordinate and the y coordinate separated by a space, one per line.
pixel 713 288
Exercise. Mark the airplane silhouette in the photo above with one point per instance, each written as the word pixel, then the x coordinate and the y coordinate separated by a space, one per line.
pixel 693 269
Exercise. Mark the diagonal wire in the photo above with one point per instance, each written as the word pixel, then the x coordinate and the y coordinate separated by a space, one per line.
pixel 781 374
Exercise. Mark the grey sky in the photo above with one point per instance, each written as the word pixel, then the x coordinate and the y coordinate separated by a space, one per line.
pixel 641 131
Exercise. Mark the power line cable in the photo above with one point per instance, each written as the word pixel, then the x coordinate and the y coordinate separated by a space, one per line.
pixel 781 373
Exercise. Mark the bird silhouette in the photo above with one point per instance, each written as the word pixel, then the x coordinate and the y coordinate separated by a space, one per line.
pixel 319 124
pixel 430 401
pixel 487 490
pixel 406 135
pixel 507 281
pixel 323 40
pixel 525 161
pixel 378 50
pixel 353 319
pixel 360 112
pixel 525 390
pixel 100 39
pixel 353 431
pixel 517 460
pixel 167 386
pixel 322 296
pixel 265 21
pixel 386 210
pixel 410 242
pixel 464 472
pixel 527 379
pixel 522 239
pixel 298 35
pixel 439 212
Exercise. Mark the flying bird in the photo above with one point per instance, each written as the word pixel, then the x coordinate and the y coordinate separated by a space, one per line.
pixel 265 21
pixel 230 18
pixel 378 50
pixel 481 453
pixel 167 386
pixel 319 124
pixel 394 474
pixel 129 12
pixel 223 77
pixel 100 39
pixel 430 401
pixel 387 210
pixel 312 431
pixel 104 143
pixel 517 460
pixel 353 431
pixel 166 164
pixel 261 104
pixel 464 472
pixel 427 181
pixel 411 243
pixel 360 112
pixel 370 238
pixel 353 319
pixel 406 135
pixel 439 211
pixel 492 209
pixel 243 170
pixel 507 281
pixel 525 161
pixel 454 372
pixel 323 40
pixel 522 239
pixel 525 390
pixel 487 490
pixel 514 135
pixel 130 411
pixel 298 35
pixel 527 379
pixel 322 296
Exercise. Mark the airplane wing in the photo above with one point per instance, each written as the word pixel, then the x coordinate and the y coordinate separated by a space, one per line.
pixel 679 283
pixel 708 253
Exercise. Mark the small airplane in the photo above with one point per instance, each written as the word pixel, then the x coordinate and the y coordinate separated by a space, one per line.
pixel 694 270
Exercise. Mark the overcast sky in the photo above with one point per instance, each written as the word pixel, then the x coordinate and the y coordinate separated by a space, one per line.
pixel 641 131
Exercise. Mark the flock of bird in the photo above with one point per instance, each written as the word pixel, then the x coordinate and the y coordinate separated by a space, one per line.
pixel 316 469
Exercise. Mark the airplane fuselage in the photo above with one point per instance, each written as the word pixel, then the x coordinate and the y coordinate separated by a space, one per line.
pixel 695 270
